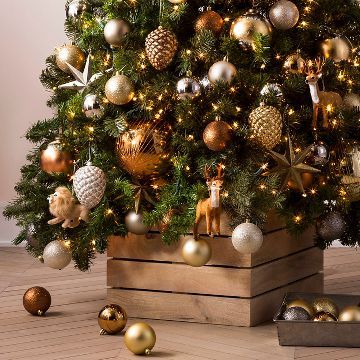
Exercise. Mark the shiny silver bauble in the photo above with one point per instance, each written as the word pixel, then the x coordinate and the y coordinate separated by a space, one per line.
pixel 247 238
pixel 135 223
pixel 222 71
pixel 92 106
pixel 187 88
pixel 115 31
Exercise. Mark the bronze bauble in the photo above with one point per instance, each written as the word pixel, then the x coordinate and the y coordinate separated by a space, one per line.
pixel 196 253
pixel 209 20
pixel 324 316
pixel 303 304
pixel 350 313
pixel 306 179
pixel 217 135
pixel 72 55
pixel 326 305
pixel 284 14
pixel 140 338
pixel 55 160
pixel 37 300
pixel 296 313
pixel 135 223
pixel 115 31
pixel 119 90
pixel 112 319
pixel 337 49
pixel 294 64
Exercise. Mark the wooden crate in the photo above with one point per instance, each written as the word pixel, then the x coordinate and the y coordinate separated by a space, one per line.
pixel 151 281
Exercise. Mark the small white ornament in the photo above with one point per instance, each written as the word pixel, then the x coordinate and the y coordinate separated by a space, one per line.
pixel 247 238
pixel 57 254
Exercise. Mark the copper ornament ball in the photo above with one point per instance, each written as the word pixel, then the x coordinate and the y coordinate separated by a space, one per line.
pixel 54 159
pixel 115 31
pixel 37 300
pixel 119 90
pixel 112 319
pixel 209 20
pixel 72 55
pixel 326 305
pixel 217 135
pixel 140 338
pixel 350 313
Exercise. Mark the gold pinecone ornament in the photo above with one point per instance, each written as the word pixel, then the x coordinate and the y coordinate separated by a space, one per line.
pixel 160 46
pixel 266 126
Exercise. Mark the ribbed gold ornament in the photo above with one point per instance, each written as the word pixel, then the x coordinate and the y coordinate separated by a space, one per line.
pixel 209 20
pixel 70 54
pixel 160 46
pixel 266 126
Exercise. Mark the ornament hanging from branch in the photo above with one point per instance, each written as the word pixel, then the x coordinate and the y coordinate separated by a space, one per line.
pixel 115 31
pixel 337 49
pixel 284 15
pixel 222 71
pixel 69 54
pixel 74 9
pixel 247 238
pixel 119 89
pixel 57 254
pixel 55 160
pixel 209 20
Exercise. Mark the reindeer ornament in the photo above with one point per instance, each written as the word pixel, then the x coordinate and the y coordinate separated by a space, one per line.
pixel 210 207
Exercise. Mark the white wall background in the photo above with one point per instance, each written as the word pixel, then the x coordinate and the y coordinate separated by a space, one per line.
pixel 30 30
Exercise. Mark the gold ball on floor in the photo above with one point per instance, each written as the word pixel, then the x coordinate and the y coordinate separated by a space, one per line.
pixel 303 304
pixel 196 253
pixel 37 300
pixel 70 54
pixel 217 135
pixel 140 338
pixel 350 313
pixel 326 305
pixel 112 318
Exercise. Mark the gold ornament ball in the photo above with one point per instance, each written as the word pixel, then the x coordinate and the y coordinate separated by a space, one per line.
pixel 324 316
pixel 112 319
pixel 350 313
pixel 54 159
pixel 115 31
pixel 196 253
pixel 303 304
pixel 326 305
pixel 222 71
pixel 140 338
pixel 119 90
pixel 209 20
pixel 217 135
pixel 177 1
pixel 336 48
pixel 70 54
pixel 294 64
pixel 284 15
pixel 37 300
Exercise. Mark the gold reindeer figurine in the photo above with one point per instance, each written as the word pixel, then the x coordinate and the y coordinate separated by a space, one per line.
pixel 210 207
pixel 320 99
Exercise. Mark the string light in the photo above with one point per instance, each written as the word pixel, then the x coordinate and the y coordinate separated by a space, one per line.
pixel 297 219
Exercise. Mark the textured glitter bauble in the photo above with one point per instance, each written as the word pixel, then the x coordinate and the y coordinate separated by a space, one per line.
pixel 294 64
pixel 70 54
pixel 217 135
pixel 57 254
pixel 92 106
pixel 222 71
pixel 119 90
pixel 140 338
pixel 37 300
pixel 160 46
pixel 306 180
pixel 296 313
pixel 246 27
pixel 196 253
pixel 352 101
pixel 209 20
pixel 188 88
pixel 330 226
pixel 284 15
pixel 74 9
pixel 326 305
pixel 303 304
pixel 336 48
pixel 324 316
pixel 115 31
pixel 265 123
pixel 89 185
pixel 112 319
pixel 272 89
pixel 319 154
pixel 135 223
pixel 350 313
pixel 54 159
pixel 247 238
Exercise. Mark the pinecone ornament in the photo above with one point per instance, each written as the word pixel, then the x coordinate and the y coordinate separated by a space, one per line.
pixel 89 185
pixel 266 126
pixel 160 46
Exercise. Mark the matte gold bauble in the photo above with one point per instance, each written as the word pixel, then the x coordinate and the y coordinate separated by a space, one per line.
pixel 70 54
pixel 140 338
pixel 37 300
pixel 217 135
pixel 303 304
pixel 115 31
pixel 350 313
pixel 337 49
pixel 222 71
pixel 294 64
pixel 209 20
pixel 119 90
pixel 196 253
pixel 326 305
pixel 284 15
pixel 306 179
pixel 55 160
pixel 112 319
pixel 324 316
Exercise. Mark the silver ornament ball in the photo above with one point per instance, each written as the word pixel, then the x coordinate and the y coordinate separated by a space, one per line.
pixel 135 223
pixel 319 154
pixel 247 238
pixel 187 88
pixel 115 31
pixel 222 71
pixel 92 106
pixel 75 8
pixel 284 15
pixel 57 254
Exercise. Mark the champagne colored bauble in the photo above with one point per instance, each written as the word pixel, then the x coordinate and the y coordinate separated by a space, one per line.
pixel 188 88
pixel 306 179
pixel 222 71
pixel 112 319
pixel 296 313
pixel 92 106
pixel 140 338
pixel 284 15
pixel 265 123
pixel 37 300
pixel 326 305
pixel 55 160
pixel 294 64
pixel 70 54
pixel 115 31
pixel 350 313
pixel 135 223
pixel 209 20
pixel 247 238
pixel 119 90
pixel 352 101
pixel 196 253
pixel 336 48
pixel 57 254
pixel 324 316
pixel 161 46
pixel 217 135
pixel 74 9
pixel 303 304
pixel 330 226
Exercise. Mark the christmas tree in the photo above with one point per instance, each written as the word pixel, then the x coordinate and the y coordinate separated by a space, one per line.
pixel 158 102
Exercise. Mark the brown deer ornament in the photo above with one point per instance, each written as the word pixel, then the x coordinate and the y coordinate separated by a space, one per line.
pixel 210 207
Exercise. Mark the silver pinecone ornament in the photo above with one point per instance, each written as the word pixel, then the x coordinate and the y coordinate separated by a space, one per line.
pixel 89 185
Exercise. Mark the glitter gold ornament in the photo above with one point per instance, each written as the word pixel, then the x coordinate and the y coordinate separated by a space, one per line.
pixel 197 252
pixel 209 20
pixel 303 304
pixel 294 64
pixel 140 338
pixel 337 49
pixel 160 46
pixel 134 222
pixel 266 125
pixel 222 71
pixel 70 54
pixel 57 254
pixel 330 226
pixel 54 159
pixel 324 316
pixel 119 89
pixel 37 300
pixel 284 14
pixel 350 313
pixel 296 313
pixel 247 238
pixel 115 31
pixel 217 135
pixel 326 305
pixel 112 319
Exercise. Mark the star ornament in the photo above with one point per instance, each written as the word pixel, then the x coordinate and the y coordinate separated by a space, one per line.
pixel 291 166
